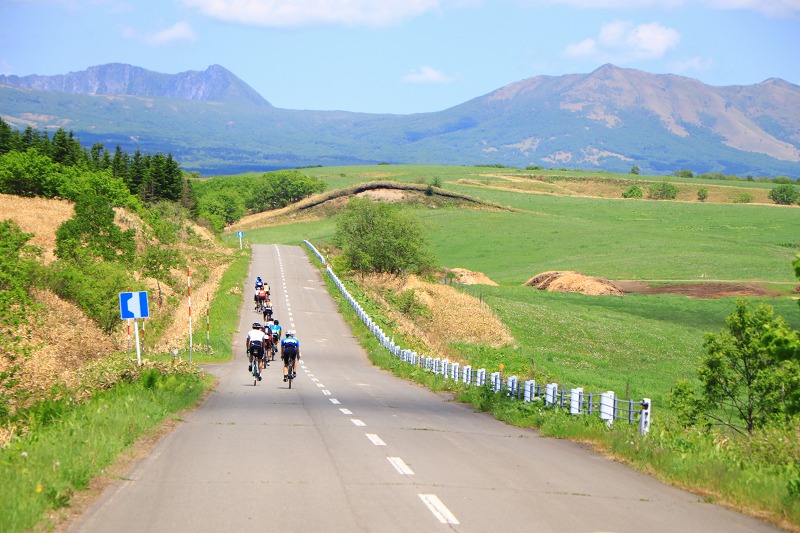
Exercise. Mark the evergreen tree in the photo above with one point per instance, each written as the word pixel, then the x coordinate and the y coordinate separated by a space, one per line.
pixel 137 172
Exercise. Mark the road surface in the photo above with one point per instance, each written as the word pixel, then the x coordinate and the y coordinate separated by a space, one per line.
pixel 352 448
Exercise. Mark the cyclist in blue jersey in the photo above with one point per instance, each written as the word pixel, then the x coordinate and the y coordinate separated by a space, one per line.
pixel 290 353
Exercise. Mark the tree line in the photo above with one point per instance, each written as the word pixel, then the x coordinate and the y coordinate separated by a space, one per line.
pixel 34 163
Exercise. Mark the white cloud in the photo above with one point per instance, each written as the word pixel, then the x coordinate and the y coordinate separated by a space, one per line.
pixel 180 31
pixel 623 42
pixel 774 8
pixel 295 13
pixel 426 74
pixel 692 65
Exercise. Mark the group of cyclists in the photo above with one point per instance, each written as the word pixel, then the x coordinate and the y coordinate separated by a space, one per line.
pixel 264 339
pixel 261 298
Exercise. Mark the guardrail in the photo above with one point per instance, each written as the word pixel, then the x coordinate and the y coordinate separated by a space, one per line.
pixel 605 404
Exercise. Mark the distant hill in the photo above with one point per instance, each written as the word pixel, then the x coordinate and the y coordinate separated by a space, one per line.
pixel 215 84
pixel 610 119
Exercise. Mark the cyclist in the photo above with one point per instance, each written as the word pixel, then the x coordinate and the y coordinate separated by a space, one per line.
pixel 261 298
pixel 275 331
pixel 259 282
pixel 290 353
pixel 255 348
pixel 266 311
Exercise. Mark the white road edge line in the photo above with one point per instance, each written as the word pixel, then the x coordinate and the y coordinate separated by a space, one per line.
pixel 376 440
pixel 400 465
pixel 438 509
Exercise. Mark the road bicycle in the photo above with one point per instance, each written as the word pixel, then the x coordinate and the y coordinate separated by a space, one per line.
pixel 291 371
pixel 255 370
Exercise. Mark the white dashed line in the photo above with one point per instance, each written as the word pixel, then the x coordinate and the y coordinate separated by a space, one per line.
pixel 438 509
pixel 326 392
pixel 346 411
pixel 334 401
pixel 321 385
pixel 376 440
pixel 400 466
pixel 357 422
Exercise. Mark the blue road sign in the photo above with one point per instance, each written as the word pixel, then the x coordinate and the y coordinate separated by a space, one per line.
pixel 133 305
pixel 240 234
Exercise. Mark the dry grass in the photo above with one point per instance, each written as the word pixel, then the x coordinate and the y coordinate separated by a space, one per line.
pixel 451 316
pixel 608 188
pixel 39 216
pixel 323 204
pixel 62 340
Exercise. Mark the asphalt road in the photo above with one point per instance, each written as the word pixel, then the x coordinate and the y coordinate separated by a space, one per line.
pixel 352 448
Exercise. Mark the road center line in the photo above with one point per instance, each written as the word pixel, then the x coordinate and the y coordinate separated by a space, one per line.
pixel 334 401
pixel 400 466
pixel 438 509
pixel 357 422
pixel 326 392
pixel 346 411
pixel 376 440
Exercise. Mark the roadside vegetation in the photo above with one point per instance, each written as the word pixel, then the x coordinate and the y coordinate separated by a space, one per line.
pixel 79 227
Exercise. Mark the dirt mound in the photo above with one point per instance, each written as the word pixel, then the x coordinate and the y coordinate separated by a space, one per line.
pixel 468 277
pixel 568 281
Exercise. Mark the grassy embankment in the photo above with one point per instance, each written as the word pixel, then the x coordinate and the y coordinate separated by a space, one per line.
pixel 67 444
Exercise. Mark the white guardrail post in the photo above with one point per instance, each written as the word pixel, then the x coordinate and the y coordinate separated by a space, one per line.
pixel 607 401
pixel 644 417
pixel 530 390
pixel 576 401
pixel 550 393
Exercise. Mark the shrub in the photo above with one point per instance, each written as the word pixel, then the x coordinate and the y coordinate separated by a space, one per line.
pixel 743 198
pixel 635 170
pixel 702 194
pixel 663 190
pixel 784 194
pixel 380 237
pixel 94 286
pixel 634 191
pixel 92 232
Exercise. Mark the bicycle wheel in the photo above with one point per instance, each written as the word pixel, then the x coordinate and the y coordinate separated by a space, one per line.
pixel 255 371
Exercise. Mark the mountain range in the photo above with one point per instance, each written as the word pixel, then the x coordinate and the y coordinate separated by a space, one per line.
pixel 611 119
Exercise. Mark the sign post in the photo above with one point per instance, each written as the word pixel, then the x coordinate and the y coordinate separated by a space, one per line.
pixel 134 305
pixel 189 293
pixel 240 234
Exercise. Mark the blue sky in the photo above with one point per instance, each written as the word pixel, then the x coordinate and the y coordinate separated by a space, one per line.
pixel 403 56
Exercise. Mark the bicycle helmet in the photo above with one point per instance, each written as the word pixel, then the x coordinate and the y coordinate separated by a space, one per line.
pixel 275 322
pixel 290 333
pixel 256 325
